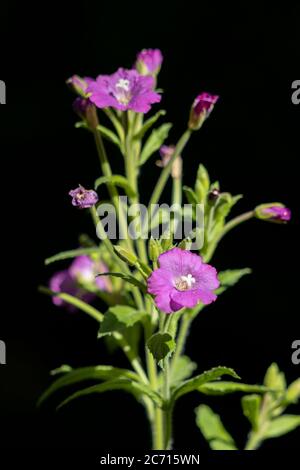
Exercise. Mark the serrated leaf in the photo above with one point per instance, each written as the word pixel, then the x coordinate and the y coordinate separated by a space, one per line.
pixel 213 429
pixel 84 374
pixel 251 408
pixel 118 318
pixel 230 277
pixel 116 180
pixel 71 254
pixel 136 388
pixel 161 346
pixel 127 278
pixel 154 141
pixel 109 135
pixel 148 124
pixel 223 388
pixel 182 370
pixel 207 376
pixel 282 425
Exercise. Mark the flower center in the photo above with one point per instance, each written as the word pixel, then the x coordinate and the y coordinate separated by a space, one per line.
pixel 185 282
pixel 123 91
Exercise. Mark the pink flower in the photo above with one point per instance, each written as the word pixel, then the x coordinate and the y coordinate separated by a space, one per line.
pixel 125 89
pixel 201 109
pixel 148 61
pixel 81 273
pixel 182 280
pixel 83 198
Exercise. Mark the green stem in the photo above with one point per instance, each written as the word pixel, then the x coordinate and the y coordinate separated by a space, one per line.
pixel 70 299
pixel 109 246
pixel 113 192
pixel 131 356
pixel 229 226
pixel 131 169
pixel 181 339
pixel 167 169
pixel 157 418
pixel 94 313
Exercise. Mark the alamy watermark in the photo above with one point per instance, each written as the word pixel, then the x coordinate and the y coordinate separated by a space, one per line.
pixel 158 221
pixel 2 353
pixel 2 92
pixel 296 94
pixel 296 353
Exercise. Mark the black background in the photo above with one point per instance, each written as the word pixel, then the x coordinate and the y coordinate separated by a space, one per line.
pixel 249 56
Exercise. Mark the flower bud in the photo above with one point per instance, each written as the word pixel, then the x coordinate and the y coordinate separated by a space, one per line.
pixel 148 62
pixel 126 255
pixel 79 85
pixel 166 152
pixel 154 249
pixel 273 212
pixel 201 109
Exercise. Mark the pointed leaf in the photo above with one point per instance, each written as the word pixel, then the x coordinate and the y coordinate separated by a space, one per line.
pixel 154 141
pixel 116 180
pixel 282 425
pixel 148 124
pixel 213 429
pixel 135 388
pixel 230 277
pixel 109 135
pixel 251 408
pixel 84 374
pixel 127 278
pixel 195 382
pixel 223 388
pixel 71 254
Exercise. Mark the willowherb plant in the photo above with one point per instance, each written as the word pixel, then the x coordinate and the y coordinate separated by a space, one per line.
pixel 152 283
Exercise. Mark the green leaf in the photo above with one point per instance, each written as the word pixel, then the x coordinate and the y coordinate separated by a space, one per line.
pixel 127 278
pixel 202 184
pixel 207 376
pixel 109 135
pixel 84 374
pixel 293 392
pixel 274 378
pixel 136 388
pixel 161 346
pixel 213 429
pixel 190 195
pixel 118 318
pixel 116 180
pixel 63 369
pixel 148 124
pixel 223 388
pixel 71 254
pixel 282 425
pixel 182 370
pixel 251 408
pixel 154 141
pixel 230 277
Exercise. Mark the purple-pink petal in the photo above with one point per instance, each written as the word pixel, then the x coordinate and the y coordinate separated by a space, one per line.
pixel 123 90
pixel 182 280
